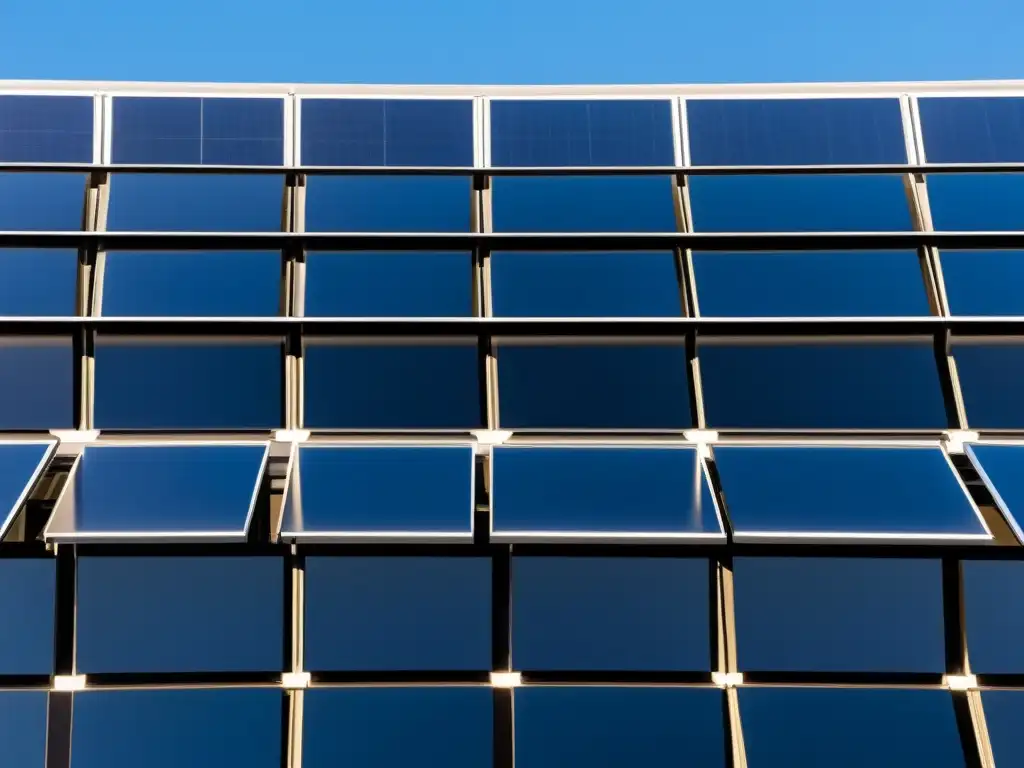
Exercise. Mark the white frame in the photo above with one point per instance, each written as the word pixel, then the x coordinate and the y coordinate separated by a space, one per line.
pixel 9 515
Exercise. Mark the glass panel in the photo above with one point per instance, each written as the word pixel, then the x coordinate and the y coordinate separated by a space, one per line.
pixel 387 132
pixel 179 614
pixel 618 614
pixel 984 282
pixel 195 131
pixel 188 385
pixel 389 284
pixel 584 204
pixel 993 590
pixel 967 130
pixel 164 491
pixel 342 492
pixel 38 282
pixel 616 727
pixel 585 284
pixel 392 387
pixel 559 493
pixel 208 728
pixel 36 383
pixel 594 387
pixel 839 614
pixel 41 201
pixel 999 467
pixel 388 204
pixel 849 728
pixel 967 202
pixel 20 465
pixel 795 131
pixel 46 129
pixel 391 727
pixel 23 728
pixel 845 492
pixel 991 374
pixel 185 203
pixel 1004 712
pixel 191 284
pixel 398 613
pixel 579 132
pixel 810 284
pixel 27 596
pixel 816 203
pixel 821 385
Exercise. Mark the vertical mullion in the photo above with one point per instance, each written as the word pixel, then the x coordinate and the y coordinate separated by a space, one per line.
pixel 294 613
pixel 726 657
pixel 59 705
pixel 483 206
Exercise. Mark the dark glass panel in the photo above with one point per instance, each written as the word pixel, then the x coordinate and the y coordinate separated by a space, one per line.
pixel 192 284
pixel 984 282
pixel 595 613
pixel 387 132
pixel 581 132
pixel 585 284
pixel 23 728
pixel 795 131
pixel 968 202
pixel 972 130
pixel 594 387
pixel 616 727
pixel 991 375
pixel 584 204
pixel 388 204
pixel 20 463
pixel 38 282
pixel 179 614
pixel 993 592
pixel 389 284
pixel 41 201
pixel 556 492
pixel 392 727
pixel 1004 712
pixel 37 383
pixel 26 600
pixel 810 284
pixel 811 203
pixel 398 613
pixel 999 467
pixel 839 614
pixel 46 129
pixel 392 387
pixel 818 385
pixel 227 385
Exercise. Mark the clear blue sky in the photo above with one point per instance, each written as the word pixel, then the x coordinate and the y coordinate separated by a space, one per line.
pixel 535 41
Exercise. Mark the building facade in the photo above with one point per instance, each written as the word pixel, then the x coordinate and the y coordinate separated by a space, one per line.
pixel 477 426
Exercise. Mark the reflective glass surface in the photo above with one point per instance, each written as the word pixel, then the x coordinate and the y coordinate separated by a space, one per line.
pixel 392 387
pixel 26 593
pixel 618 727
pixel 46 129
pixel 391 727
pixel 817 385
pixel 387 132
pixel 619 614
pixel 999 466
pixel 1004 712
pixel 179 614
pixel 968 202
pixel 993 590
pixel 398 613
pixel 340 492
pixel 197 131
pixel 844 492
pixel 818 203
pixel 23 728
pixel 810 284
pixel 19 463
pixel 191 284
pixel 36 383
pixel 388 204
pixel 849 728
pixel 583 204
pixel 201 491
pixel 839 614
pixel 593 387
pixel 984 282
pixel 991 374
pixel 972 130
pixel 41 201
pixel 389 284
pixel 200 728
pixel 38 282
pixel 226 385
pixel 581 132
pixel 585 284
pixel 183 203
pixel 562 493
pixel 795 131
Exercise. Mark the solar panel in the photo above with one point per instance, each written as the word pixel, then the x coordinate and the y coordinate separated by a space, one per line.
pixel 23 727
pixel 46 129
pixel 999 468
pixel 37 375
pixel 976 202
pixel 21 464
pixel 1003 713
pixel 42 201
pixel 27 589
pixel 388 204
pixel 972 130
pixel 38 282
pixel 990 372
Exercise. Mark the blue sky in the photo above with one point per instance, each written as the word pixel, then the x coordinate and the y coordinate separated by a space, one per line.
pixel 535 41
